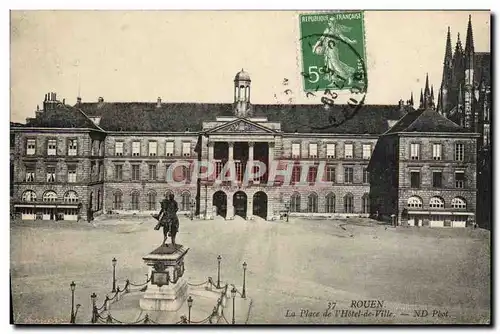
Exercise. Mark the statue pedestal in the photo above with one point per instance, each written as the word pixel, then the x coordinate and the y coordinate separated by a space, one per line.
pixel 167 289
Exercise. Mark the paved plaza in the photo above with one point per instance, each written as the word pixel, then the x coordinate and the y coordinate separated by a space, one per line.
pixel 294 267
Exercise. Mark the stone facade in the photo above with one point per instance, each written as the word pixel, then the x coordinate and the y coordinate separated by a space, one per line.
pixel 391 175
pixel 89 155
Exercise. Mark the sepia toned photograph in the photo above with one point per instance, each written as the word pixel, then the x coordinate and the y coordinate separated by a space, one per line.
pixel 175 167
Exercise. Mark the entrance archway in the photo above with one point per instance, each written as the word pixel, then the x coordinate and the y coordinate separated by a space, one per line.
pixel 240 204
pixel 260 204
pixel 220 202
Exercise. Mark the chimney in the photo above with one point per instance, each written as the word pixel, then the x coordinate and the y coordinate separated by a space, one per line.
pixel 158 102
pixel 78 100
pixel 64 101
pixel 401 105
pixel 100 102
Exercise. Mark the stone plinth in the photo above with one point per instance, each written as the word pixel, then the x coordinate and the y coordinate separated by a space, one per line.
pixel 167 289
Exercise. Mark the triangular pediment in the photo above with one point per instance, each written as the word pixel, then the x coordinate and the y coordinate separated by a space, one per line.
pixel 241 125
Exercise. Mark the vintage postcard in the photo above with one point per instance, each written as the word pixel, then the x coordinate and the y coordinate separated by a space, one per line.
pixel 250 167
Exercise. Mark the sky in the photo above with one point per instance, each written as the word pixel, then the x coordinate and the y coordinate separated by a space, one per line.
pixel 192 56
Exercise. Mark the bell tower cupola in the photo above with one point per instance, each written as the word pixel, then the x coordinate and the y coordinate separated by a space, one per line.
pixel 242 94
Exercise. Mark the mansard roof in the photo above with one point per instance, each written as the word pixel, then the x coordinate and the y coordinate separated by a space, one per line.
pixel 174 117
pixel 427 120
pixel 61 116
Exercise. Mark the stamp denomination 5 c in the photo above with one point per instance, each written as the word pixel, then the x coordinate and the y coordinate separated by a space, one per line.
pixel 333 51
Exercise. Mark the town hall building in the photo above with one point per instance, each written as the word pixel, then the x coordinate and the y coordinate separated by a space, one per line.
pixel 118 157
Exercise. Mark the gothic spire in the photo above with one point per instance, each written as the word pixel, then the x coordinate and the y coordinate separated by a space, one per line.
pixel 447 53
pixel 458 46
pixel 411 99
pixel 469 41
pixel 439 104
pixel 460 96
pixel 426 90
pixel 421 99
pixel 432 93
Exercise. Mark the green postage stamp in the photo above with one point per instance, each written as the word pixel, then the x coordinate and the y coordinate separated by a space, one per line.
pixel 333 51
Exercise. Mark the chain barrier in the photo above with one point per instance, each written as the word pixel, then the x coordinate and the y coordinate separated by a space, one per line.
pixel 192 284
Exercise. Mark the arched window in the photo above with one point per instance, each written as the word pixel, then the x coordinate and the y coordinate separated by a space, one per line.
pixel 49 196
pixel 185 201
pixel 366 203
pixel 29 196
pixel 151 201
pixel 98 199
pixel 295 202
pixel 312 203
pixel 135 200
pixel 458 203
pixel 71 197
pixel 436 202
pixel 414 202
pixel 330 203
pixel 348 203
pixel 117 200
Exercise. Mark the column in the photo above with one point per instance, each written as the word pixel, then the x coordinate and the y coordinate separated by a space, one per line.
pixel 270 158
pixel 250 159
pixel 211 151
pixel 230 151
pixel 230 207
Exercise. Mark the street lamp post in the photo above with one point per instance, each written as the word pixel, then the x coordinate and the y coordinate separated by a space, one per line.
pixel 192 209
pixel 218 271
pixel 190 304
pixel 93 296
pixel 233 294
pixel 72 286
pixel 243 294
pixel 114 274
pixel 287 207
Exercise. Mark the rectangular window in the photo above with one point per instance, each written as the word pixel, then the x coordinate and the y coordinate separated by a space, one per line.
pixel 436 151
pixel 169 174
pixel 118 172
pixel 366 175
pixel 348 151
pixel 136 148
pixel 415 179
pixel 72 147
pixel 367 151
pixel 71 174
pixel 437 179
pixel 51 174
pixel 295 150
pixel 459 179
pixel 348 174
pixel 414 151
pixel 296 174
pixel 135 173
pixel 186 149
pixel 459 152
pixel 330 174
pixel 313 150
pixel 119 148
pixel 152 172
pixel 30 174
pixel 152 149
pixel 169 151
pixel 312 173
pixel 52 147
pixel 330 151
pixel 31 147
